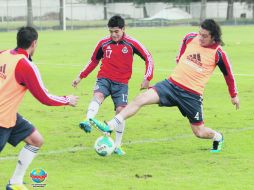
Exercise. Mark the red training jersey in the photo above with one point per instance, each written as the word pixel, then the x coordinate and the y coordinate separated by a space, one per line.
pixel 117 58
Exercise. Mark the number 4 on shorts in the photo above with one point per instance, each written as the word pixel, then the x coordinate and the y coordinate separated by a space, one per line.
pixel 197 116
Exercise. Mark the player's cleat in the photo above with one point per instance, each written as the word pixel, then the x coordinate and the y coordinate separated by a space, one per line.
pixel 102 126
pixel 217 145
pixel 16 187
pixel 86 126
pixel 119 151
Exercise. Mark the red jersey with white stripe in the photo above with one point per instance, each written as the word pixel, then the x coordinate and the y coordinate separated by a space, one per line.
pixel 196 65
pixel 117 58
pixel 17 75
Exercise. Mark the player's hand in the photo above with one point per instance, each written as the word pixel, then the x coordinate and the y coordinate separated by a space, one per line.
pixel 75 82
pixel 73 100
pixel 145 84
pixel 235 101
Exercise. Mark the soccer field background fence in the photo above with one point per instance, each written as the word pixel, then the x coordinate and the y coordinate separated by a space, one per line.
pixel 73 14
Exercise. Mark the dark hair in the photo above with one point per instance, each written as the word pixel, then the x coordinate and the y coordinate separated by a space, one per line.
pixel 25 37
pixel 116 21
pixel 214 29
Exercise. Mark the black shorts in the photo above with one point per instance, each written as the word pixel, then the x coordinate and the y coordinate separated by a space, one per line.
pixel 16 134
pixel 190 105
pixel 118 91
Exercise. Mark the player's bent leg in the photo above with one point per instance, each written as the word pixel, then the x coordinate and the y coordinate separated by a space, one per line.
pixel 92 111
pixel 201 131
pixel 147 98
pixel 33 143
pixel 206 133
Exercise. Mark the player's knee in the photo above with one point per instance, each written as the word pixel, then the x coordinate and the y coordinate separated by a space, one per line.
pixel 39 141
pixel 35 139
pixel 98 97
pixel 119 109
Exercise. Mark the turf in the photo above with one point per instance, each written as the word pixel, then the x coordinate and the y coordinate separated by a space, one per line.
pixel 162 152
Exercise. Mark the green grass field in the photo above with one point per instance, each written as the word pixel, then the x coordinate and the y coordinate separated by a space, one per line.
pixel 162 152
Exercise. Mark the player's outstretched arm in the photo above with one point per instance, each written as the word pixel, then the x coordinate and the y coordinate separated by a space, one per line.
pixel 235 101
pixel 27 74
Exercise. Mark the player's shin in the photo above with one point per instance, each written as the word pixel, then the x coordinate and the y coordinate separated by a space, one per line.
pixel 217 136
pixel 115 122
pixel 25 158
pixel 93 108
pixel 119 134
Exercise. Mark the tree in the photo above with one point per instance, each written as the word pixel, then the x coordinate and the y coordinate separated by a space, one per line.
pixel 203 10
pixel 230 10
pixel 142 4
pixel 104 2
pixel 250 5
pixel 105 9
pixel 252 10
pixel 29 13
pixel 61 14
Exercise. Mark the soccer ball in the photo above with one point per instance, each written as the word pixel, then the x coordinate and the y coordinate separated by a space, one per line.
pixel 104 146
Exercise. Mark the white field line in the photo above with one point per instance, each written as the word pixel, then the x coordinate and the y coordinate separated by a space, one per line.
pixel 140 70
pixel 143 141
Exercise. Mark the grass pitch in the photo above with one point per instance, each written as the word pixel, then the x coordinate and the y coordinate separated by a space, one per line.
pixel 162 152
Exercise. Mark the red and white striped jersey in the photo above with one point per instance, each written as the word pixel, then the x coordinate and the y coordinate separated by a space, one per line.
pixel 117 58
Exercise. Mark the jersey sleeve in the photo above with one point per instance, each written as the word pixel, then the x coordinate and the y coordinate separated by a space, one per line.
pixel 225 67
pixel 95 59
pixel 187 39
pixel 140 50
pixel 27 74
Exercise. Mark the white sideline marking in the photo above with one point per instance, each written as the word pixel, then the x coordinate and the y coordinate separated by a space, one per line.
pixel 76 149
pixel 141 70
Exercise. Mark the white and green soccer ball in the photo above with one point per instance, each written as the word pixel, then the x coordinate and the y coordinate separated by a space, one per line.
pixel 104 146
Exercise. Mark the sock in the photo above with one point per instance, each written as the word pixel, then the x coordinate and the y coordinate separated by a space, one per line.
pixel 119 134
pixel 116 122
pixel 93 108
pixel 25 157
pixel 217 136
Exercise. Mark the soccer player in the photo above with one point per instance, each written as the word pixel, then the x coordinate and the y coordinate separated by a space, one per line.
pixel 116 55
pixel 17 75
pixel 199 54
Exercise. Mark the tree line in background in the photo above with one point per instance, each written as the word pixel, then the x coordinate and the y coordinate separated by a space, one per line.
pixel 230 8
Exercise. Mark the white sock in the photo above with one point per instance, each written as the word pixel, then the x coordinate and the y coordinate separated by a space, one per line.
pixel 116 122
pixel 119 134
pixel 93 108
pixel 26 156
pixel 217 136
